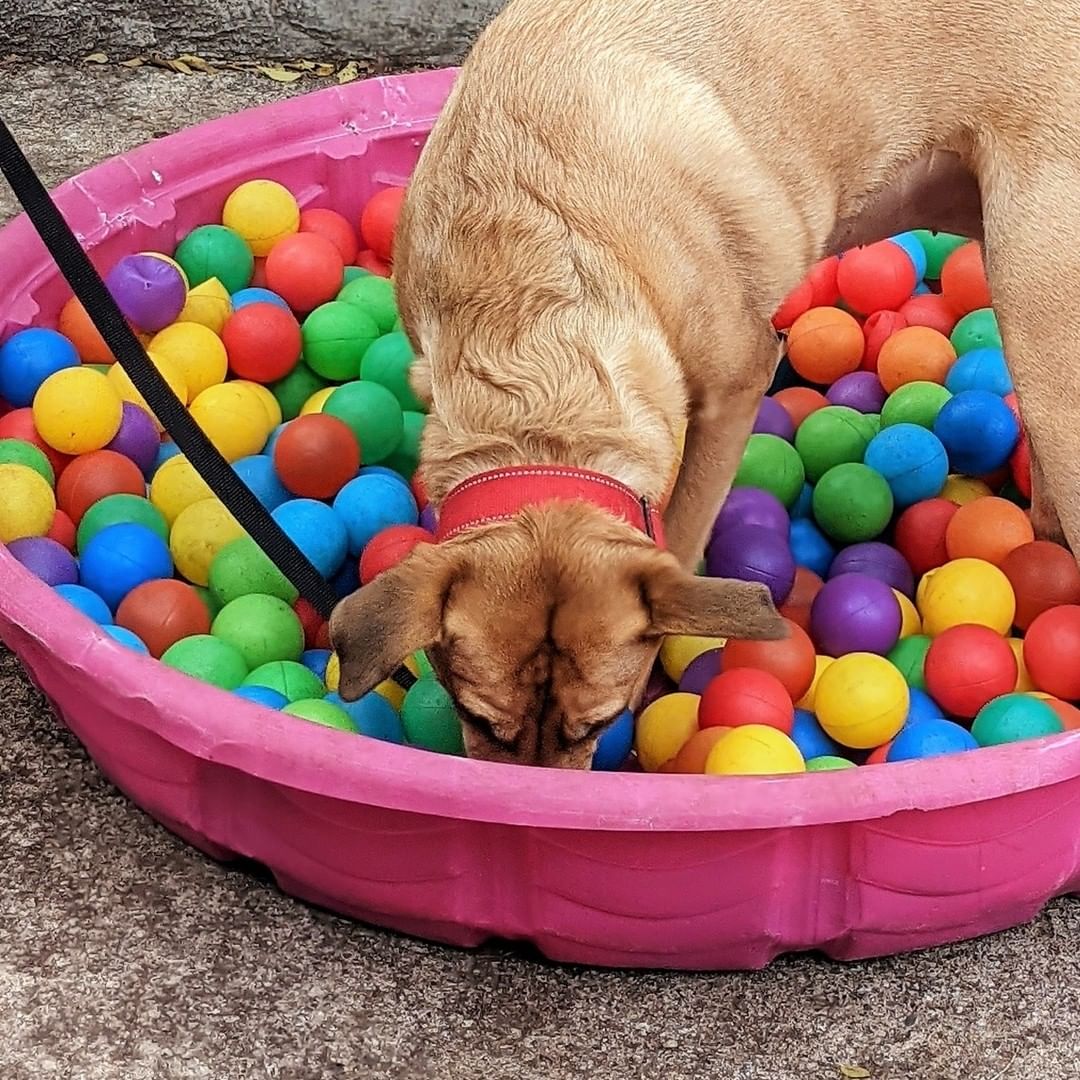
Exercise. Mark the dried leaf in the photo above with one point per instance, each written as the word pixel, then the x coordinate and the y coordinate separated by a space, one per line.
pixel 180 67
pixel 279 74
pixel 323 71
pixel 349 73
pixel 854 1072
pixel 134 62
pixel 96 58
pixel 197 63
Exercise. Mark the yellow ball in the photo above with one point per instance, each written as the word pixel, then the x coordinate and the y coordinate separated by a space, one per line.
pixel 754 750
pixel 315 403
pixel 392 692
pixel 269 402
pixel 664 727
pixel 910 623
pixel 176 486
pixel 964 489
pixel 209 305
pixel 195 351
pixel 27 503
pixel 966 591
pixel 1025 684
pixel 262 212
pixel 1040 694
pixel 233 418
pixel 123 385
pixel 76 410
pixel 200 531
pixel 172 262
pixel 679 651
pixel 332 678
pixel 862 700
pixel 807 700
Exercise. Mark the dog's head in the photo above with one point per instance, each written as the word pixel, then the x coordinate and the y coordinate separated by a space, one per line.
pixel 542 628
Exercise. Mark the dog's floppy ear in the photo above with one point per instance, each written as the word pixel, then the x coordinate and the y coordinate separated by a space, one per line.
pixel 376 628
pixel 681 603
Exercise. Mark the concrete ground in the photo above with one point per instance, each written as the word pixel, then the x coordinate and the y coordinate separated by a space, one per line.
pixel 125 955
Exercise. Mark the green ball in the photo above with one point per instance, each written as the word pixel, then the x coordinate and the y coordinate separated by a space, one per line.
pixel 430 719
pixel 831 436
pixel 374 296
pixel 871 423
pixel 914 403
pixel 289 678
pixel 216 251
pixel 208 659
pixel 1013 717
pixel 336 336
pixel 263 628
pixel 387 362
pixel 20 452
pixel 828 763
pixel 852 503
pixel 242 568
pixel 771 463
pixel 208 599
pixel 406 458
pixel 294 390
pixel 976 330
pixel 352 273
pixel 908 656
pixel 101 369
pixel 938 247
pixel 319 711
pixel 120 509
pixel 374 416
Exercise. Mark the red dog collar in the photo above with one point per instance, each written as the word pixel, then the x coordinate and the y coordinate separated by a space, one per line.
pixel 500 494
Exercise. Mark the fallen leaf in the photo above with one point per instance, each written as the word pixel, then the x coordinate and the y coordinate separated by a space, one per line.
pixel 180 67
pixel 197 63
pixel 279 74
pixel 322 71
pixel 349 73
pixel 854 1072
pixel 134 62
pixel 96 58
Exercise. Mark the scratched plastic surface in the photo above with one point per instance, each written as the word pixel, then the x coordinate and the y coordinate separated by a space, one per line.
pixel 607 868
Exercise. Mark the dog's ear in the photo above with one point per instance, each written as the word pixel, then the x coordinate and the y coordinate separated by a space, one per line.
pixel 681 603
pixel 375 629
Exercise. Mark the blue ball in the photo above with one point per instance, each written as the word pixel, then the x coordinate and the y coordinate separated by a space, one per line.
pixel 930 738
pixel 317 531
pixel 379 470
pixel 921 289
pixel 804 504
pixel 911 459
pixel 166 451
pixel 89 603
pixel 347 579
pixel 316 660
pixel 28 358
pixel 372 502
pixel 255 295
pixel 124 636
pixel 262 695
pixel 810 738
pixel 613 747
pixel 258 473
pixel 978 431
pixel 271 442
pixel 980 369
pixel 914 251
pixel 121 557
pixel 373 716
pixel 922 707
pixel 809 547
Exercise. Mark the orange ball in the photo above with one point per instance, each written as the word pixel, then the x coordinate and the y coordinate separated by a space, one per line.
pixel 91 477
pixel 1043 575
pixel 799 402
pixel 378 222
pixel 797 606
pixel 1069 715
pixel 746 696
pixel 790 659
pixel 162 612
pixel 988 528
pixel 76 326
pixel 880 755
pixel 963 280
pixel 316 455
pixel 695 751
pixel 1052 651
pixel 825 343
pixel 915 354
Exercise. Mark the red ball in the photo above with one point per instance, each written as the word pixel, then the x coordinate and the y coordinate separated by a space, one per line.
pixel 746 696
pixel 389 547
pixel 963 280
pixel 162 612
pixel 378 222
pixel 822 278
pixel 19 424
pixel 316 628
pixel 263 342
pixel 880 755
pixel 929 309
pixel 334 227
pixel 258 274
pixel 1043 576
pixel 419 490
pixel 368 260
pixel 877 277
pixel 967 666
pixel 877 329
pixel 316 455
pixel 920 534
pixel 792 659
pixel 1020 467
pixel 306 270
pixel 793 305
pixel 801 598
pixel 93 476
pixel 62 530
pixel 1052 651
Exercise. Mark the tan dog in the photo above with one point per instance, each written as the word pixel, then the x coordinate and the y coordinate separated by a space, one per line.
pixel 617 196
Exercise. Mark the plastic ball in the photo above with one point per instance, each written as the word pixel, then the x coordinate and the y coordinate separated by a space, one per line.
pixel 822 278
pixel 877 560
pixel 320 711
pixel 790 660
pixel 825 343
pixel 691 758
pixel 263 695
pixel 878 276
pixel 980 369
pixel 379 221
pixel 371 503
pixel 967 666
pixel 930 738
pixel 199 532
pixel 1024 681
pixel 121 383
pixel 19 424
pixel 978 332
pixel 861 700
pixel 752 506
pixel 292 392
pixel 304 269
pixel 215 251
pixel 877 329
pixel 242 568
pixel 374 415
pixel 387 361
pixel 1043 575
pixel 207 305
pixel 76 411
pixel 1052 651
pixel 87 601
pixel 963 279
pixel 615 743
pixel 1069 715
pixel 852 502
pixel 938 247
pixel 772 464
pixel 137 437
pixel 809 736
pixel 334 227
pixel 18 452
pixel 929 310
pixel 288 677
pixel 195 352
pixel 754 750
pixel 62 530
pixel 915 354
pixel 253 294
pixel 746 696
pixel 920 534
pixel 93 477
pixel 264 629
pixel 45 559
pixel 678 652
pixel 262 212
pixel 316 456
pixel 317 402
pixel 264 396
pixel 28 358
pixel 162 612
pixel 233 418
pixel 122 636
pixel 318 531
pixel 701 671
pixel 75 324
pixel 336 336
pixel 149 292
pixel 923 707
pixel 799 402
pixel 828 763
pixel 387 548
pixel 861 391
pixel 793 305
pixel 831 436
pixel 809 548
pixel 978 430
pixel 374 296
pixel 177 485
pixel 914 403
pixel 369 262
pixel 430 720
pixel 966 591
pixel 772 419
pixel 807 585
pixel 258 474
pixel 208 659
pixel 910 623
pixel 989 529
pixel 855 613
pixel 120 509
pixel 753 553
pixel 263 342
pixel 912 247
pixel 1013 717
pixel 911 459
pixel 121 557
pixel 27 503
pixel 908 656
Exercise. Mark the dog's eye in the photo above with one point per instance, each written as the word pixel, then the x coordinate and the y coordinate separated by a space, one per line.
pixel 584 734
pixel 483 725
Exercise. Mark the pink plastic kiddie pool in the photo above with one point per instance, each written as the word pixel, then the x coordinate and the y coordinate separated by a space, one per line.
pixel 599 868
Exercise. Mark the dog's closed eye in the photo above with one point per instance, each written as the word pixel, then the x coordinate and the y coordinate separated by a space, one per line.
pixel 486 728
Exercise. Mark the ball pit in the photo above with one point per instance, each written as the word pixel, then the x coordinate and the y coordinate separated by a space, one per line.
pixel 395 836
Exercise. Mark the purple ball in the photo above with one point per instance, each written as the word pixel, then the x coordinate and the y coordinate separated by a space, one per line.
pixel 855 613
pixel 657 686
pixel 752 506
pixel 149 291
pixel 773 419
pixel 138 438
pixel 860 390
pixel 429 519
pixel 877 560
pixel 700 672
pixel 46 559
pixel 753 553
